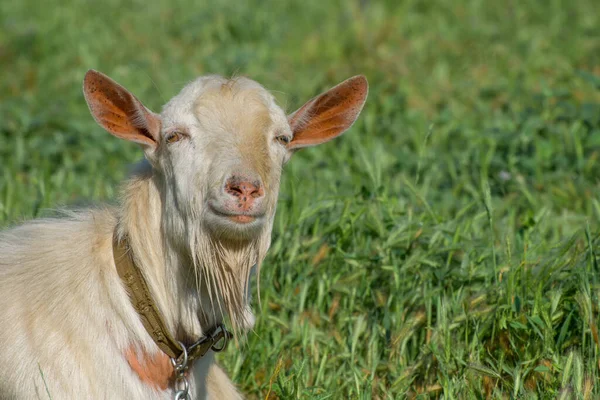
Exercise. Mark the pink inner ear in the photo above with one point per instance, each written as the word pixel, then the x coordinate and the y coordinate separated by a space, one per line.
pixel 120 112
pixel 329 114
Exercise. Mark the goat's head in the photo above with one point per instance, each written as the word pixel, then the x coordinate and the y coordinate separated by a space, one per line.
pixel 221 143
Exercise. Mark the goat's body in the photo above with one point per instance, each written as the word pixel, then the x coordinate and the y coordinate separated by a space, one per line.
pixel 197 218
pixel 66 320
pixel 63 312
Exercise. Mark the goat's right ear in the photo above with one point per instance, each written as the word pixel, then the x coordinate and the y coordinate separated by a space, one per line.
pixel 119 112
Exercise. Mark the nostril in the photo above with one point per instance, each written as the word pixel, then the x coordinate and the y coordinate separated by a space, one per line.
pixel 257 192
pixel 233 189
pixel 236 191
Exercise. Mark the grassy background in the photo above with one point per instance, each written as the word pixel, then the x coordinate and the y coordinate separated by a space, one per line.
pixel 445 247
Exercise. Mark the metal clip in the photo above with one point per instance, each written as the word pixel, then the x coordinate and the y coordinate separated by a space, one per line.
pixel 220 330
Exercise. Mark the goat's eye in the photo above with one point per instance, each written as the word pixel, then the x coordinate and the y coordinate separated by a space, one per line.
pixel 174 137
pixel 283 139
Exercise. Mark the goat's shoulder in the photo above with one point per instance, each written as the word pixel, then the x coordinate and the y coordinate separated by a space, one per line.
pixel 69 236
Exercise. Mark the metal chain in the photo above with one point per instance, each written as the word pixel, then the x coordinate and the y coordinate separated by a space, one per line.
pixel 182 386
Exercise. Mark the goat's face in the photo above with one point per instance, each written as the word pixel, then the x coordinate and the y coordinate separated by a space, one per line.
pixel 223 144
pixel 220 145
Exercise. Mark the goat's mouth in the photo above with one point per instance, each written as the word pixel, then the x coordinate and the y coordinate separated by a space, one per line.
pixel 242 218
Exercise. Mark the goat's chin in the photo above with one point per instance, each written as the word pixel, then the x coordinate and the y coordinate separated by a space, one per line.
pixel 234 227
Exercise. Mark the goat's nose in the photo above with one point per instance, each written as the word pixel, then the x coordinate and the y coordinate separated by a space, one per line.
pixel 243 189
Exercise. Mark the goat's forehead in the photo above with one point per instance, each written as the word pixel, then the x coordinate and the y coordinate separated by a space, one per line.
pixel 219 95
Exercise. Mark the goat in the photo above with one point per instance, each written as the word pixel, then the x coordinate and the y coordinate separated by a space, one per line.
pixel 196 217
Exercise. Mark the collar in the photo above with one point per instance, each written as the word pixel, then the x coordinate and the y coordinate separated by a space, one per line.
pixel 141 299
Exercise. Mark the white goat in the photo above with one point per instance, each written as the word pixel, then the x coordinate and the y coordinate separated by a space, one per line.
pixel 196 217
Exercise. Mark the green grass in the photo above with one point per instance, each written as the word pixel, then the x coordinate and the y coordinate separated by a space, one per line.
pixel 446 247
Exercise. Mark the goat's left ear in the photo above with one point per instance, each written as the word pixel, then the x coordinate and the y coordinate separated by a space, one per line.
pixel 328 115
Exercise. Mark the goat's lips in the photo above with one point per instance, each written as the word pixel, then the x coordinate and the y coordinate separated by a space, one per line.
pixel 241 218
pixel 234 217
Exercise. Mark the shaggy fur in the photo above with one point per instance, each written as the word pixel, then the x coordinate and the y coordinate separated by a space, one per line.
pixel 68 329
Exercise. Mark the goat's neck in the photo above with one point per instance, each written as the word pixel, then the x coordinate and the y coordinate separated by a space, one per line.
pixel 193 287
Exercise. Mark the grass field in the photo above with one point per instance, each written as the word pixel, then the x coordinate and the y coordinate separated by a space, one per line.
pixel 445 247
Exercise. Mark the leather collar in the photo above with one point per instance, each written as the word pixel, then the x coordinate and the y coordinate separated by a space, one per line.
pixel 141 299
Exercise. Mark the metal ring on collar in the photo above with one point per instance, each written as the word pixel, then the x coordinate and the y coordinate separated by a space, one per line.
pixel 180 366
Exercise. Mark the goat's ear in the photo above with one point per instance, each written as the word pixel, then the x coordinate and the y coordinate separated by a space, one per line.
pixel 328 115
pixel 118 111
